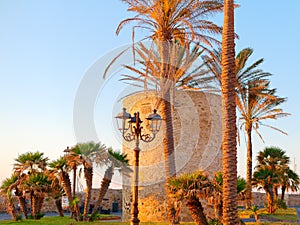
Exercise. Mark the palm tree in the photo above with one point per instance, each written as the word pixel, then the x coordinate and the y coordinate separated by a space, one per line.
pixel 218 195
pixel 59 167
pixel 255 100
pixel 192 187
pixel 5 189
pixel 257 103
pixel 26 165
pixel 85 154
pixel 266 179
pixel 229 130
pixel 56 190
pixel 289 180
pixel 269 174
pixel 38 184
pixel 167 21
pixel 30 162
pixel 118 161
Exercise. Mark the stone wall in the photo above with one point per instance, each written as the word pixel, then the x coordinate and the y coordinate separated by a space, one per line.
pixel 112 196
pixel 197 133
pixel 259 199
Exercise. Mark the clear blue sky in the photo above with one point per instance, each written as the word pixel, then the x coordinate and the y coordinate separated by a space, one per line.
pixel 46 47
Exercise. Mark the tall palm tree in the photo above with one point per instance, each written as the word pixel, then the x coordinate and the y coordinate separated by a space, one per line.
pixel 118 161
pixel 229 130
pixel 257 103
pixel 252 88
pixel 86 153
pixel 166 21
pixel 5 189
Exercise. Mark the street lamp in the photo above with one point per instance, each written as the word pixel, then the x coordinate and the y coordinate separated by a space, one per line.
pixel 131 129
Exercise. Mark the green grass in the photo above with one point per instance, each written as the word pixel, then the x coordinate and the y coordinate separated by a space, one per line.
pixel 280 214
pixel 289 215
pixel 55 220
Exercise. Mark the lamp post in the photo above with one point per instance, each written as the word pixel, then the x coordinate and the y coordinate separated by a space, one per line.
pixel 131 129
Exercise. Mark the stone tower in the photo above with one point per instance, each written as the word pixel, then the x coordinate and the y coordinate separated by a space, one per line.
pixel 197 135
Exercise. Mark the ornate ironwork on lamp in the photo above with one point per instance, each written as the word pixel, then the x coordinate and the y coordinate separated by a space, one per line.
pixel 131 129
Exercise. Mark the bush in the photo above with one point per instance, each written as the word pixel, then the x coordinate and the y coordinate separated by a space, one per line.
pixel 215 222
pixel 281 204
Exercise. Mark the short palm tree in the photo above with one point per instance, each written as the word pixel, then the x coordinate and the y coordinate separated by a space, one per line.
pixel 191 188
pixel 59 168
pixel 30 162
pixel 5 189
pixel 168 21
pixel 38 185
pixel 115 160
pixel 218 195
pixel 289 181
pixel 266 179
pixel 85 154
pixel 272 162
pixel 56 190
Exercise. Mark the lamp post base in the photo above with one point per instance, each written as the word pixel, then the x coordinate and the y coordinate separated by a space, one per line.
pixel 134 221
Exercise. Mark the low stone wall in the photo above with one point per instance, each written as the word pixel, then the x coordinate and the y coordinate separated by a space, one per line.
pixel 112 196
pixel 259 199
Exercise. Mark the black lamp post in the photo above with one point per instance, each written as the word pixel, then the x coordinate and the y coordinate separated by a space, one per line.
pixel 131 129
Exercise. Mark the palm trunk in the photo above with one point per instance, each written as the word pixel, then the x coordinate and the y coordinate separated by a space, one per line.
pixel 59 207
pixel 74 180
pixel 230 213
pixel 34 206
pixel 196 211
pixel 11 209
pixel 40 204
pixel 169 154
pixel 283 188
pixel 270 198
pixel 249 166
pixel 102 191
pixel 167 83
pixel 88 174
pixel 67 188
pixel 22 202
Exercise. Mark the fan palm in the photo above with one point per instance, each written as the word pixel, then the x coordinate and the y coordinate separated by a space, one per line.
pixel 266 179
pixel 276 160
pixel 218 183
pixel 56 190
pixel 5 189
pixel 38 184
pixel 192 187
pixel 115 160
pixel 85 154
pixel 59 167
pixel 289 180
pixel 30 162
pixel 168 21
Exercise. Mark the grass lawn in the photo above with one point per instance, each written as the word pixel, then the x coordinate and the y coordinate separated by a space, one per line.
pixel 281 217
pixel 289 214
